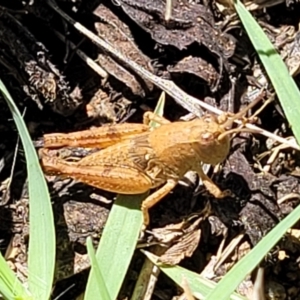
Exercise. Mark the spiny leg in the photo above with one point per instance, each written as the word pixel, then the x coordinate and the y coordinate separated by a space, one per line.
pixel 155 198
pixel 211 186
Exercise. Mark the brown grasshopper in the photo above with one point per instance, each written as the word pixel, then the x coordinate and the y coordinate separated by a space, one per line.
pixel 135 159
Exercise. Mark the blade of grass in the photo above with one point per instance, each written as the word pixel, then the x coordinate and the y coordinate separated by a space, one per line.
pixel 283 83
pixel 159 110
pixel 117 245
pixel 199 286
pixel 102 292
pixel 41 253
pixel 118 240
pixel 247 264
pixel 10 286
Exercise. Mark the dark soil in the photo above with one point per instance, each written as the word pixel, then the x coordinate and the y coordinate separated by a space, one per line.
pixel 206 55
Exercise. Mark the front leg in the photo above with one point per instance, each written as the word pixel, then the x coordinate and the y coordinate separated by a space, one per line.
pixel 211 186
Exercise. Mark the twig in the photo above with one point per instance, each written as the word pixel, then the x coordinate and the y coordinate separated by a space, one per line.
pixel 228 250
pixel 274 153
pixel 187 294
pixel 259 289
pixel 168 12
pixel 288 197
pixel 90 62
pixel 147 279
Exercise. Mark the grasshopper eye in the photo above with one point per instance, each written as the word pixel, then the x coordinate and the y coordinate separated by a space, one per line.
pixel 207 136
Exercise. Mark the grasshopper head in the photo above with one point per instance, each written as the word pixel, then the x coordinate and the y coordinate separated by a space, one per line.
pixel 210 148
pixel 213 134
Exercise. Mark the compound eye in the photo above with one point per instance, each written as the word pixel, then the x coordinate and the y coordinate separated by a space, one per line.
pixel 207 136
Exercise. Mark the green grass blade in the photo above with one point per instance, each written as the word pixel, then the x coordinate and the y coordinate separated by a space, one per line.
pixel 101 285
pixel 159 110
pixel 117 245
pixel 41 253
pixel 247 264
pixel 10 287
pixel 199 286
pixel 283 83
pixel 118 240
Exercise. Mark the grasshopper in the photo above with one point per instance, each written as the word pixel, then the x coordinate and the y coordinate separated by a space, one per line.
pixel 135 158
